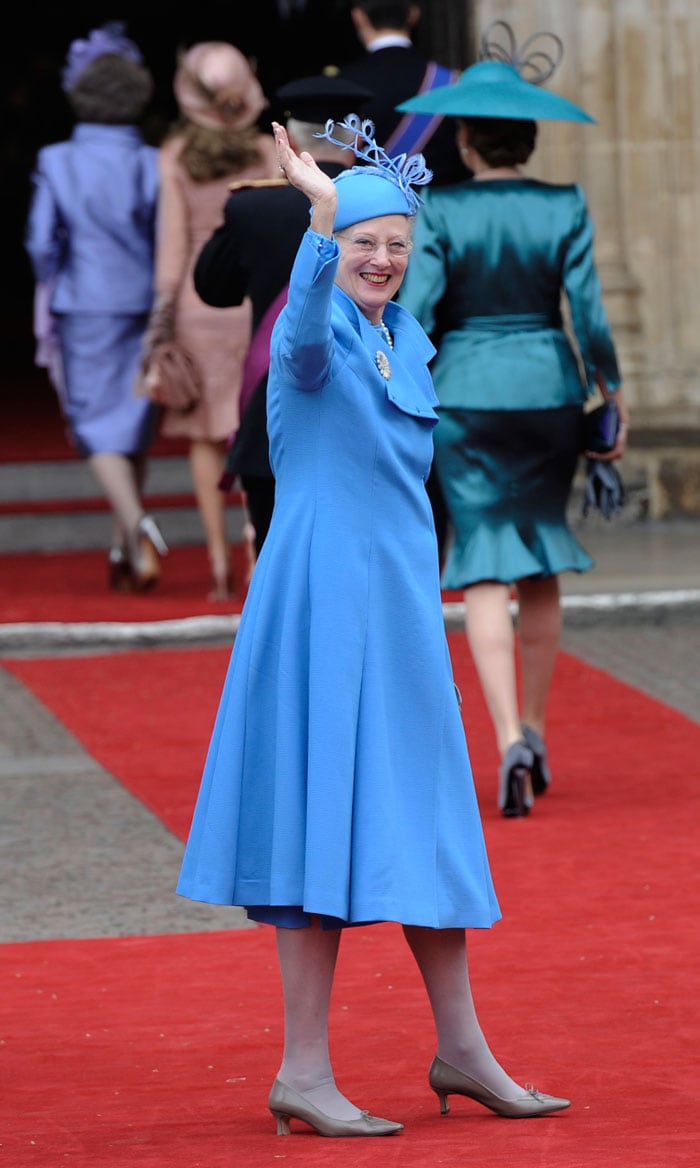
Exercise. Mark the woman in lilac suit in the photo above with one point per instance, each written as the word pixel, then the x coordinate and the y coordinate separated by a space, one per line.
pixel 91 238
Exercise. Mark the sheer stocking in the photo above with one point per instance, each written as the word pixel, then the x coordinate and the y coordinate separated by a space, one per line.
pixel 441 956
pixel 307 960
pixel 120 478
pixel 539 632
pixel 206 466
pixel 491 637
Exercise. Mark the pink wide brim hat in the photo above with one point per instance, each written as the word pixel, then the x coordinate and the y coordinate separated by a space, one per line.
pixel 216 87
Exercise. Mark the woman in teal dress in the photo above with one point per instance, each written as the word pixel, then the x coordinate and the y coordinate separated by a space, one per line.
pixel 337 788
pixel 493 258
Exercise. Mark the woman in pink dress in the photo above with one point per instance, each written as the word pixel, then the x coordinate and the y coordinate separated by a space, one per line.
pixel 215 142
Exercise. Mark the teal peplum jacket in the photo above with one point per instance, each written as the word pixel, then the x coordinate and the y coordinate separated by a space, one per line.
pixel 497 268
pixel 491 262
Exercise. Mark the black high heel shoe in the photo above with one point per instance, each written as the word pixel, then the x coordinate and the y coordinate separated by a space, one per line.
pixel 515 796
pixel 119 569
pixel 285 1103
pixel 447 1080
pixel 541 775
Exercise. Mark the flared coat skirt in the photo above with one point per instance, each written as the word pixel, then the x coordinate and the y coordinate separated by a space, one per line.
pixel 506 476
pixel 338 777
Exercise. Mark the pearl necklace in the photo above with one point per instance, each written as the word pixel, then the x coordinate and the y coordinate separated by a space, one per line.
pixel 382 328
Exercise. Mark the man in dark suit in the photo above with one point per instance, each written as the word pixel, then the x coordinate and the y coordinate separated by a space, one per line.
pixel 252 253
pixel 394 70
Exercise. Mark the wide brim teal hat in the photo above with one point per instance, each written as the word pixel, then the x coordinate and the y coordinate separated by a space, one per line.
pixel 492 89
pixel 365 193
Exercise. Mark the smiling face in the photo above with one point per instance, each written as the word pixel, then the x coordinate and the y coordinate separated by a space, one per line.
pixel 373 259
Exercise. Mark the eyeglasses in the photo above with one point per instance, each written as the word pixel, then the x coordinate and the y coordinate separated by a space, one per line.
pixel 398 249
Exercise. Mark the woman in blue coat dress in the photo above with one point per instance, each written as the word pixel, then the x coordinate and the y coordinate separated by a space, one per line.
pixel 494 256
pixel 337 788
pixel 91 238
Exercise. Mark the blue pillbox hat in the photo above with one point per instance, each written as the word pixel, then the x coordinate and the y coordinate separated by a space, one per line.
pixel 383 185
pixel 366 193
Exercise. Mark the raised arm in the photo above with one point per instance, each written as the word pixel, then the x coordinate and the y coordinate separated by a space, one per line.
pixel 303 173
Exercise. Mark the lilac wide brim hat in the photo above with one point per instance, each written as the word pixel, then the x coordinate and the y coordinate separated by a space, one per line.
pixel 493 89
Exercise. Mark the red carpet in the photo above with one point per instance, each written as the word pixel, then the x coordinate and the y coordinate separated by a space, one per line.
pixel 72 587
pixel 160 1051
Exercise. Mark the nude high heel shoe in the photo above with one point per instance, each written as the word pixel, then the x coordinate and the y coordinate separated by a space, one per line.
pixel 286 1104
pixel 145 545
pixel 221 579
pixel 221 588
pixel 446 1080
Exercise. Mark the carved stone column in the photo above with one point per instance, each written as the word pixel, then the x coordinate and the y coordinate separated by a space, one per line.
pixel 586 154
pixel 597 53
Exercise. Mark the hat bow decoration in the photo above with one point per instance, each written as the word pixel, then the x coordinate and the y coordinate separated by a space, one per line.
pixel 405 170
pixel 535 66
pixel 505 83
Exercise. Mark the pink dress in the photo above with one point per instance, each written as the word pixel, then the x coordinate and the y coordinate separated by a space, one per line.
pixel 218 338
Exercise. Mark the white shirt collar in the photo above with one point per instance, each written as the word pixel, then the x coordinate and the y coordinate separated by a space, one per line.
pixel 390 41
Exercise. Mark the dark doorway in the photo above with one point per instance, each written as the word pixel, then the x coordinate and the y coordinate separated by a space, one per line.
pixel 287 38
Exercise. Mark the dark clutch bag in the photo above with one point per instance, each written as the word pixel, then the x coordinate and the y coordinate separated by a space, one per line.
pixel 604 490
pixel 601 427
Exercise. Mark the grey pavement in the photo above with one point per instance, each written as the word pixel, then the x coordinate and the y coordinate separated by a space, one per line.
pixel 81 857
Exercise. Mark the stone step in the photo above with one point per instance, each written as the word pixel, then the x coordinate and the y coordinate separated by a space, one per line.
pixel 39 482
pixel 56 506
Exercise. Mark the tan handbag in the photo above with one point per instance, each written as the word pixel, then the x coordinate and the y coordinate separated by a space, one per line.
pixel 171 378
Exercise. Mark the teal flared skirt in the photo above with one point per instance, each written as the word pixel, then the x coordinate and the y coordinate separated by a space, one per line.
pixel 506 476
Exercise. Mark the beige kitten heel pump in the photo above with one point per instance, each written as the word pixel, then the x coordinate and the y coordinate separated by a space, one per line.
pixel 286 1103
pixel 446 1080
